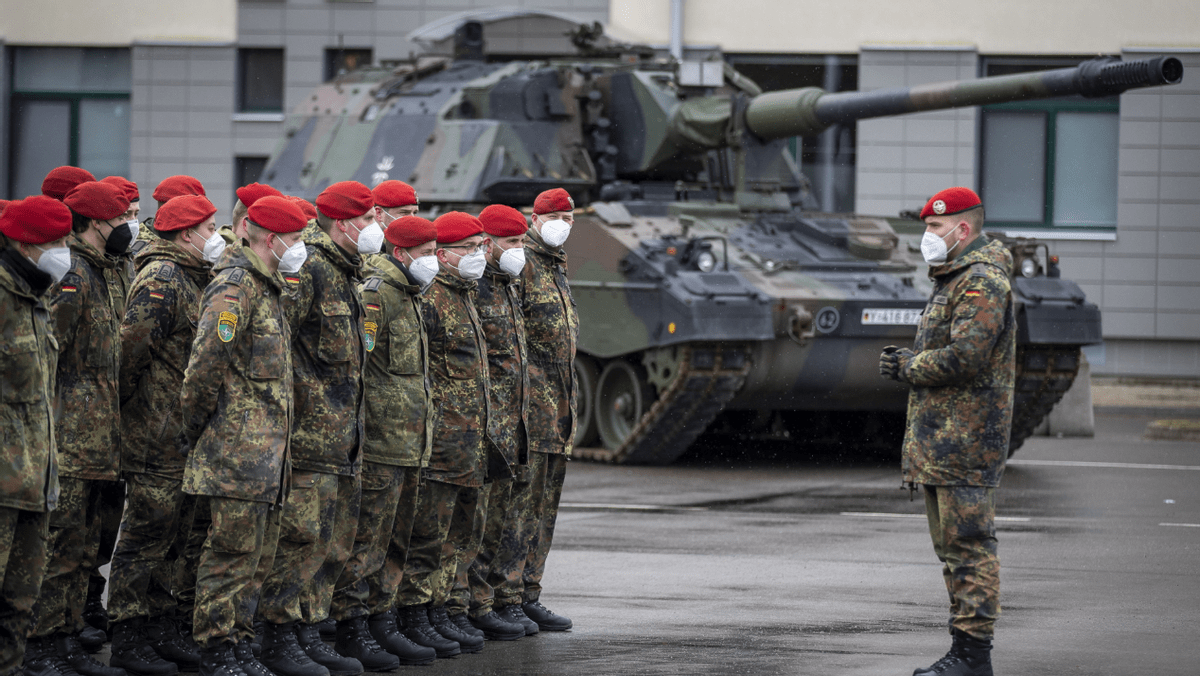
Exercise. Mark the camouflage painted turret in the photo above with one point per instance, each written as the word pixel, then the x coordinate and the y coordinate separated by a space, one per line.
pixel 711 294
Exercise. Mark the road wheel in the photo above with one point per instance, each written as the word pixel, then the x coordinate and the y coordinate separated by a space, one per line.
pixel 622 398
pixel 586 375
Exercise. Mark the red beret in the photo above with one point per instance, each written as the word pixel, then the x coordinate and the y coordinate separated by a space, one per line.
pixel 310 212
pixel 951 201
pixel 127 186
pixel 97 200
pixel 60 181
pixel 249 193
pixel 174 186
pixel 277 214
pixel 394 194
pixel 410 231
pixel 36 220
pixel 348 199
pixel 182 212
pixel 455 226
pixel 556 199
pixel 3 203
pixel 501 221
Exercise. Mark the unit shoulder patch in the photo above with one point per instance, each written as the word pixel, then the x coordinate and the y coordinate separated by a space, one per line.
pixel 226 326
pixel 165 272
pixel 369 331
pixel 235 277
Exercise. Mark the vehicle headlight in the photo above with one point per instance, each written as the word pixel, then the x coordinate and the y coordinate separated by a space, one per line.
pixel 706 261
pixel 1029 267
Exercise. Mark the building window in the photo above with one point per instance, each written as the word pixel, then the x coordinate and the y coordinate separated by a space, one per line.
pixel 68 106
pixel 260 80
pixel 339 61
pixel 1050 163
pixel 827 159
pixel 247 170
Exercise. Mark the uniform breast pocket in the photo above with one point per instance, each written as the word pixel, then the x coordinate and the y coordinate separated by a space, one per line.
pixel 935 327
pixel 22 381
pixel 268 358
pixel 499 329
pixel 99 342
pixel 337 333
pixel 461 351
pixel 404 348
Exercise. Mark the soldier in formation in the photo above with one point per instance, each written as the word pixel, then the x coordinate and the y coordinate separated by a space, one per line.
pixel 287 424
pixel 961 371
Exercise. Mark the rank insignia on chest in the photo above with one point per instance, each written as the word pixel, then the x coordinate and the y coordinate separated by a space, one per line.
pixel 226 326
pixel 369 334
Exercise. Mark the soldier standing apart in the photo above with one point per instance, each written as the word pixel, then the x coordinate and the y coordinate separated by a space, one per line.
pixel 551 331
pixel 87 317
pixel 317 533
pixel 237 413
pixel 450 485
pixel 35 257
pixel 960 415
pixel 398 431
pixel 501 544
pixel 156 342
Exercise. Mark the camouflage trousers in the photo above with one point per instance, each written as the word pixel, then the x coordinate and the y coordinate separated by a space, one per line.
pixel 381 487
pixel 149 565
pixel 442 536
pixel 316 536
pixel 962 526
pixel 112 503
pixel 539 507
pixel 236 558
pixel 73 549
pixel 23 538
pixel 500 561
pixel 189 543
pixel 385 582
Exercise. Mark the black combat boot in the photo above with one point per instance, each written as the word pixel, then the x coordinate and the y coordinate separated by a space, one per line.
pixel 169 641
pixel 94 612
pixel 43 659
pixel 220 660
pixel 545 618
pixel 383 628
pixel 441 623
pixel 133 652
pixel 79 658
pixel 260 629
pixel 419 631
pixel 328 628
pixel 248 662
pixel 92 639
pixel 309 636
pixel 513 614
pixel 464 625
pixel 355 640
pixel 496 629
pixel 282 653
pixel 968 656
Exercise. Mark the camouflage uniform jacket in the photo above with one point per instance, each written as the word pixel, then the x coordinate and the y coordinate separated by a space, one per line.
pixel 156 341
pixel 399 410
pixel 459 374
pixel 87 310
pixel 28 358
pixel 237 390
pixel 499 306
pixel 325 309
pixel 552 332
pixel 960 406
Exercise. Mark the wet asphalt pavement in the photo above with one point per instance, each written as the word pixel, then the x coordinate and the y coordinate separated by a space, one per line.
pixel 820 565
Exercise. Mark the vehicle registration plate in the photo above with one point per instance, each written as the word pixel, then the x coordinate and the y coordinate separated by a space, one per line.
pixel 891 316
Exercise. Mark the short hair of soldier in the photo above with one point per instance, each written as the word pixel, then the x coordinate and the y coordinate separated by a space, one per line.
pixel 255 232
pixel 324 222
pixel 79 222
pixel 169 235
pixel 239 212
pixel 974 217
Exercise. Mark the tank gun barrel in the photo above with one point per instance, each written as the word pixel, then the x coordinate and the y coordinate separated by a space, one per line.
pixel 808 111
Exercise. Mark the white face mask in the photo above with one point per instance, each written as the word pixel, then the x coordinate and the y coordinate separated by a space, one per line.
pixel 135 227
pixel 292 259
pixel 370 238
pixel 933 248
pixel 555 232
pixel 54 262
pixel 472 265
pixel 213 247
pixel 424 269
pixel 512 260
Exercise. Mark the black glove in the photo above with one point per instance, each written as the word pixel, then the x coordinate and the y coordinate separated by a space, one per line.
pixel 893 360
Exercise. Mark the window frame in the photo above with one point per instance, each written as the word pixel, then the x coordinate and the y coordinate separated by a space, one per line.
pixel 240 99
